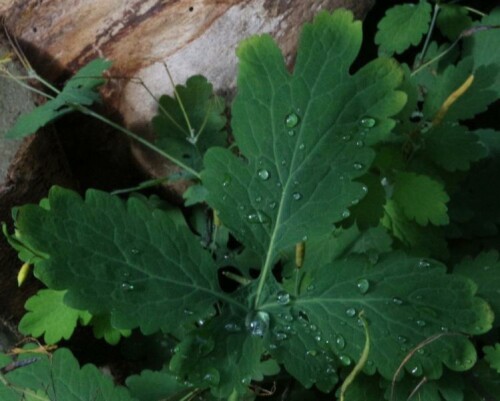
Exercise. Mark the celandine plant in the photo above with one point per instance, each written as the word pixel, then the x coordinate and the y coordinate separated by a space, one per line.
pixel 336 214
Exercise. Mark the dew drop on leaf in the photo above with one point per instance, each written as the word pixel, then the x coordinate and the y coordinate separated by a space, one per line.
pixel 126 286
pixel 318 338
pixel 291 132
pixel 232 327
pixel 258 199
pixel 297 196
pixel 345 360
pixel 357 166
pixel 292 120
pixel 367 122
pixel 246 381
pixel 188 312
pixel 302 146
pixel 311 352
pixel 226 181
pixel 258 217
pixel 397 301
pixel 283 298
pixel 212 377
pixel 422 263
pixel 421 323
pixel 402 339
pixel 263 174
pixel 364 188
pixel 257 323
pixel 340 341
pixel 280 336
pixel 310 287
pixel 272 205
pixel 360 144
pixel 346 138
pixel 363 285
pixel 345 214
pixel 134 251
pixel 416 370
pixel 351 312
pixel 313 327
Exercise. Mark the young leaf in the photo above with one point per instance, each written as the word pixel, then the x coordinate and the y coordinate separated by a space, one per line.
pixel 421 198
pixel 59 377
pixel 102 328
pixel 50 316
pixel 453 147
pixel 298 136
pixel 406 301
pixel 492 356
pixel 452 20
pixel 403 26
pixel 126 259
pixel 484 270
pixel 205 114
pixel 79 90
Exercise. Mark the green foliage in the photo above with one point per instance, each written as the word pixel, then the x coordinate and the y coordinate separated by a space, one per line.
pixel 80 90
pixel 340 186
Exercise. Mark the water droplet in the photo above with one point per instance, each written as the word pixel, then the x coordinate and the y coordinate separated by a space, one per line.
pixel 304 238
pixel 330 370
pixel 397 301
pixel 402 339
pixel 246 381
pixel 257 323
pixel 126 286
pixel 302 146
pixel 280 336
pixel 367 122
pixel 283 298
pixel 272 205
pixel 416 370
pixel 310 287
pixel 318 338
pixel 421 323
pixel 188 312
pixel 297 196
pixel 227 180
pixel 345 214
pixel 311 352
pixel 263 174
pixel 292 120
pixel 363 285
pixel 351 312
pixel 422 263
pixel 340 341
pixel 232 327
pixel 288 318
pixel 346 138
pixel 283 162
pixel 345 360
pixel 224 197
pixel 258 217
pixel 364 188
pixel 357 166
pixel 354 202
pixel 360 143
pixel 313 327
pixel 291 132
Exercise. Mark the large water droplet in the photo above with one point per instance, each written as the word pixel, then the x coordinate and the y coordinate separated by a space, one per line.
pixel 263 174
pixel 351 312
pixel 283 298
pixel 297 196
pixel 126 286
pixel 258 217
pixel 363 285
pixel 367 122
pixel 345 360
pixel 292 120
pixel 340 341
pixel 257 323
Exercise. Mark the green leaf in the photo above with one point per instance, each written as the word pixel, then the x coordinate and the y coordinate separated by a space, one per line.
pixel 453 147
pixel 406 301
pixel 80 90
pixel 48 315
pixel 421 198
pixel 479 45
pixel 492 356
pixel 403 26
pixel 484 270
pixel 59 377
pixel 484 381
pixel 154 386
pixel 299 136
pixel 195 194
pixel 452 20
pixel 127 259
pixel 206 120
pixel 102 328
pixel 375 239
pixel 369 211
pixel 476 98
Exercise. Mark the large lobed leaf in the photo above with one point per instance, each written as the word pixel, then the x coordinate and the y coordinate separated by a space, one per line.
pixel 121 258
pixel 302 137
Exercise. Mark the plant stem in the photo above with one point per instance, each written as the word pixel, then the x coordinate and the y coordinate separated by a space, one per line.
pixel 142 185
pixel 429 34
pixel 474 11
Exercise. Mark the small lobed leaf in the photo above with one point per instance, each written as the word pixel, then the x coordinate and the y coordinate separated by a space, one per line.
pixel 421 198
pixel 59 377
pixel 79 90
pixel 139 264
pixel 453 147
pixel 403 26
pixel 484 270
pixel 204 111
pixel 49 316
pixel 492 356
pixel 406 301
pixel 102 328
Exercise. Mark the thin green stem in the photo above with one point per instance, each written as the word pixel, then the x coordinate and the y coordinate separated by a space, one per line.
pixel 475 11
pixel 139 139
pixel 438 57
pixel 20 81
pixel 429 33
pixel 181 105
pixel 141 186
